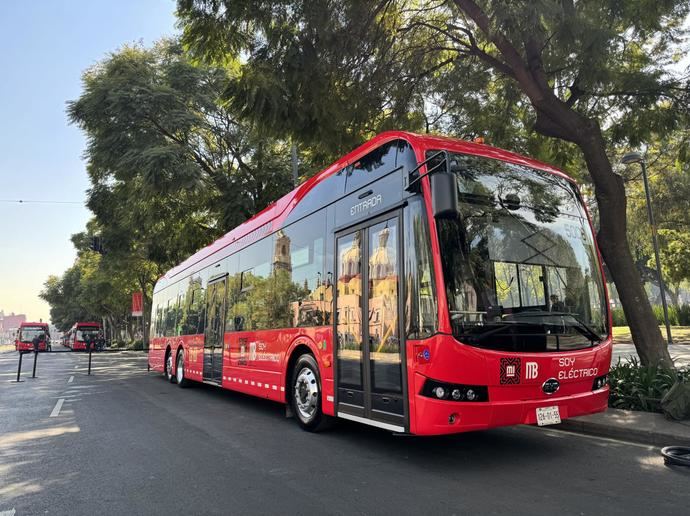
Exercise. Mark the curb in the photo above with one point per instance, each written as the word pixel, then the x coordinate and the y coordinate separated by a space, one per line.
pixel 646 436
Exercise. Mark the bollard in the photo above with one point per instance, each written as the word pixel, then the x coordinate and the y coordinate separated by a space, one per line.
pixel 19 369
pixel 90 350
pixel 33 375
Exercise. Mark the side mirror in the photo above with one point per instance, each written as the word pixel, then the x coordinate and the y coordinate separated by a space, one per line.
pixel 444 195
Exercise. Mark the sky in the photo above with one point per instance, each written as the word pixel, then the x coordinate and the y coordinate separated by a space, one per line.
pixel 46 45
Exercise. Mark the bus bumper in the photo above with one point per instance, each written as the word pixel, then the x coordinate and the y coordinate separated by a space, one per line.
pixel 435 417
pixel 27 346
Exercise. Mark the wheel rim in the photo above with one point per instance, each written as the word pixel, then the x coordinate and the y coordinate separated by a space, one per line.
pixel 180 367
pixel 306 393
pixel 168 366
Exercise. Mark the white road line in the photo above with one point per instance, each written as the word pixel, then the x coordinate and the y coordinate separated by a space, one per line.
pixel 56 409
pixel 71 379
pixel 8 513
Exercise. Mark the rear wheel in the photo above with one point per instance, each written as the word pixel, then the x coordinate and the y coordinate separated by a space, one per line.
pixel 305 394
pixel 169 367
pixel 179 370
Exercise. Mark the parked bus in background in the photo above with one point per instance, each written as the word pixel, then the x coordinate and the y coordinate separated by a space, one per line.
pixel 420 284
pixel 26 334
pixel 82 332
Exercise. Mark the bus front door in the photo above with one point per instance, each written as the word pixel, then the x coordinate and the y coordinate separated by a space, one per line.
pixel 371 386
pixel 215 329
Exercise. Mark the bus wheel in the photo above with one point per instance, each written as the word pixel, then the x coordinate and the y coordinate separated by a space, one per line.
pixel 179 370
pixel 169 367
pixel 306 394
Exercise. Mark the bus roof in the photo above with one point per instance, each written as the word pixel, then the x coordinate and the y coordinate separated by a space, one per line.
pixel 25 323
pixel 278 210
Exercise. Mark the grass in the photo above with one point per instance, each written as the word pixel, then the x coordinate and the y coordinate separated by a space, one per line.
pixel 680 334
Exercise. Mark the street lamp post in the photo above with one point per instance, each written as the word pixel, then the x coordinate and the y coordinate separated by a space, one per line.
pixel 636 157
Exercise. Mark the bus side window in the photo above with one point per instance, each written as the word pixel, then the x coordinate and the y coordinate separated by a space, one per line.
pixel 420 304
pixel 301 295
pixel 201 302
pixel 252 306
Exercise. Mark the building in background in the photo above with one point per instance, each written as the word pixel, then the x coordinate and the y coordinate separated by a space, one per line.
pixel 8 326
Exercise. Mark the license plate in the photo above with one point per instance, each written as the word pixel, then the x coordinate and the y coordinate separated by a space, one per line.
pixel 548 416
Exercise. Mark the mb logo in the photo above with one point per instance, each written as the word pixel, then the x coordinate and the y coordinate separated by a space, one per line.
pixel 531 370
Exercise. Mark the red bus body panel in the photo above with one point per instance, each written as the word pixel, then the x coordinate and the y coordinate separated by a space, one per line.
pixel 264 375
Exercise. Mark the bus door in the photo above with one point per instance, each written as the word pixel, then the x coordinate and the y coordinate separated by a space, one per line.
pixel 215 328
pixel 370 379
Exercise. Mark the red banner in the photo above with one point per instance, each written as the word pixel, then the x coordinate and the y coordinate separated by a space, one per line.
pixel 137 304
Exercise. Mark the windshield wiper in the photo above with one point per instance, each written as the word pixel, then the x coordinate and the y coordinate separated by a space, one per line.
pixel 498 328
pixel 582 327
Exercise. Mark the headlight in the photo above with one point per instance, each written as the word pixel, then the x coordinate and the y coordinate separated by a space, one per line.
pixel 455 392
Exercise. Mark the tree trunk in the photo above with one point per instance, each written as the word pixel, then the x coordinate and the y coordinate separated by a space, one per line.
pixel 674 294
pixel 613 243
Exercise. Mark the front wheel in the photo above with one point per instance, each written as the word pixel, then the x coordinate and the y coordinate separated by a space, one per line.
pixel 305 395
pixel 179 370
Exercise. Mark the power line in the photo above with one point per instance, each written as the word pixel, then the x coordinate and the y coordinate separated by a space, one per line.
pixel 33 201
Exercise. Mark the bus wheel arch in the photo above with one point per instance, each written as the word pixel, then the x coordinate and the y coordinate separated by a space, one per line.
pixel 168 365
pixel 304 389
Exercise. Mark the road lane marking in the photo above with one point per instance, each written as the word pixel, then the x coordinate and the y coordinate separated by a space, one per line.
pixel 71 379
pixel 8 513
pixel 56 409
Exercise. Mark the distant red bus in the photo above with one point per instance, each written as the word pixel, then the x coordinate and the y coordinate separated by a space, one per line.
pixel 420 284
pixel 75 337
pixel 26 333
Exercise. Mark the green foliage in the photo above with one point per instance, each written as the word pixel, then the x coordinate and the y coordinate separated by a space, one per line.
pixel 636 387
pixel 672 315
pixel 677 315
pixel 171 168
pixel 618 317
pixel 683 314
pixel 136 345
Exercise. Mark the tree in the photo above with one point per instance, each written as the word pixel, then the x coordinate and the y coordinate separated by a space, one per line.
pixel 591 74
pixel 668 164
pixel 171 166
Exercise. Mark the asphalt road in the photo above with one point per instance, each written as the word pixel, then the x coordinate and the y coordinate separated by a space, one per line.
pixel 125 441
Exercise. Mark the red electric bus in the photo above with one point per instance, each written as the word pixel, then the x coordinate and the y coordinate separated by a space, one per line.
pixel 26 333
pixel 420 284
pixel 75 338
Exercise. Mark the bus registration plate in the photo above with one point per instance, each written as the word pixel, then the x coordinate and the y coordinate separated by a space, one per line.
pixel 548 416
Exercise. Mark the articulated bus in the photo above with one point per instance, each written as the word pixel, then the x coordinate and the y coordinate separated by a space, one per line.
pixel 420 284
pixel 26 333
pixel 77 335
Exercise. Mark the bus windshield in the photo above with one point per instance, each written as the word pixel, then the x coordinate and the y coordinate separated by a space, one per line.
pixel 28 333
pixel 87 331
pixel 519 263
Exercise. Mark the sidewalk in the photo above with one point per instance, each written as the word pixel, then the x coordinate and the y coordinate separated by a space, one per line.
pixel 639 427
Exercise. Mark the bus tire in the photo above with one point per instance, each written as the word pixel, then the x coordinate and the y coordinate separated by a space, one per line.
pixel 305 394
pixel 168 366
pixel 179 370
